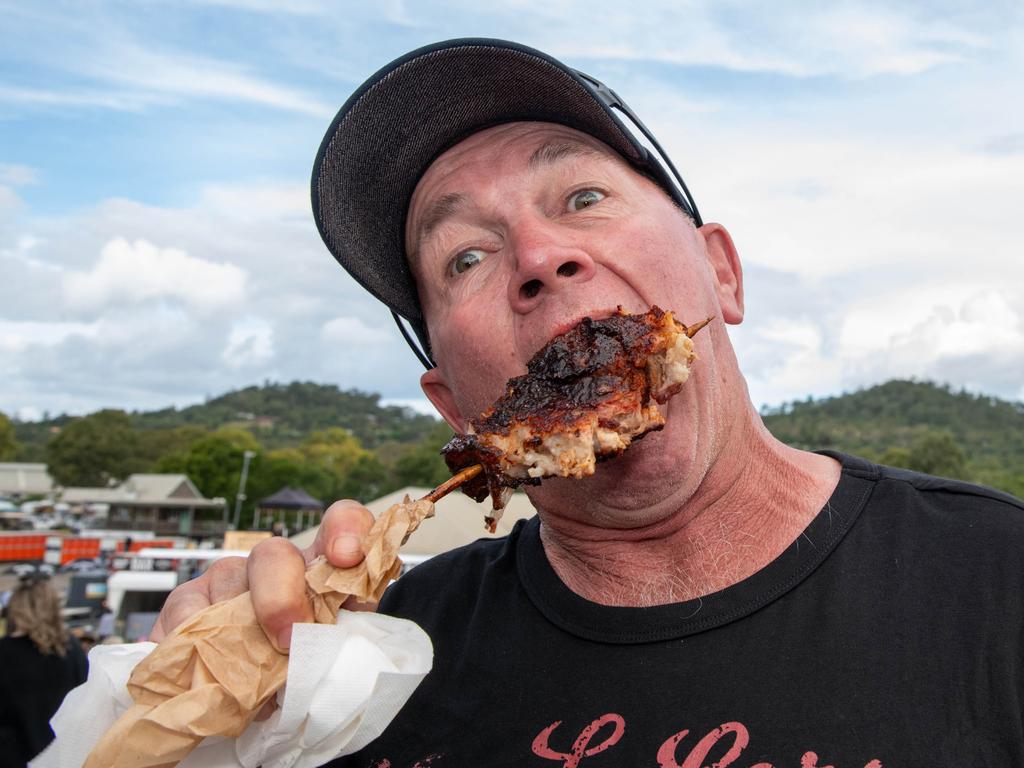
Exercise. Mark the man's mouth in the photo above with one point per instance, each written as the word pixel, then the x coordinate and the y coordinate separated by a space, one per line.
pixel 561 327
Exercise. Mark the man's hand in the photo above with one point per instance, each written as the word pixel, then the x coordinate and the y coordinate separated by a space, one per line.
pixel 274 574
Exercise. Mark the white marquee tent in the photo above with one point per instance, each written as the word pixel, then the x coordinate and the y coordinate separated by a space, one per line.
pixel 458 520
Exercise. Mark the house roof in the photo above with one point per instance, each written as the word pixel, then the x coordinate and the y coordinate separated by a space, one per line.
pixel 153 487
pixel 86 495
pixel 290 498
pixel 24 479
pixel 169 490
pixel 458 520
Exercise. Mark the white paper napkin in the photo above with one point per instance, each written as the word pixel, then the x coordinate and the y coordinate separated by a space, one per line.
pixel 345 684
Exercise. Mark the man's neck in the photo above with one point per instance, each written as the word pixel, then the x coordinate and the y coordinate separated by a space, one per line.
pixel 742 516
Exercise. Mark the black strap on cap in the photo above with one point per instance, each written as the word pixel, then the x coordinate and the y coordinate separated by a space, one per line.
pixel 612 100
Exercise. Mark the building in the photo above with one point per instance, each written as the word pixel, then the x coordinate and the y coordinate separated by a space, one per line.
pixel 20 481
pixel 163 504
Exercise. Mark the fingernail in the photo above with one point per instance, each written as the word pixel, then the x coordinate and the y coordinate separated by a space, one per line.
pixel 346 548
pixel 284 638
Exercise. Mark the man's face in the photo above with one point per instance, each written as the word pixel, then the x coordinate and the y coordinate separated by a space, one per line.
pixel 521 230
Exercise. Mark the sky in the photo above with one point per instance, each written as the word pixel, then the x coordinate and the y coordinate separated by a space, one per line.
pixel 157 246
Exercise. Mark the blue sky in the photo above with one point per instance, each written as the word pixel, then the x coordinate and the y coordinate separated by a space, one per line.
pixel 157 247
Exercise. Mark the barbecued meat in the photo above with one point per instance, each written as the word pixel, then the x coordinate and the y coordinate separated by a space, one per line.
pixel 586 396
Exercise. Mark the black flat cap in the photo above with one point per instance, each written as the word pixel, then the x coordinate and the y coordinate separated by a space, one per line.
pixel 413 110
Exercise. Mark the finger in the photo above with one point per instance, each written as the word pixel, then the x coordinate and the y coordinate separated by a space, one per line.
pixel 183 603
pixel 226 578
pixel 277 585
pixel 342 531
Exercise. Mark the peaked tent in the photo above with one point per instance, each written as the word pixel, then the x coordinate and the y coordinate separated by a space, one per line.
pixel 289 500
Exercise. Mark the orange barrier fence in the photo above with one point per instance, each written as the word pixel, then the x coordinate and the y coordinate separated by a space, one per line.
pixel 18 547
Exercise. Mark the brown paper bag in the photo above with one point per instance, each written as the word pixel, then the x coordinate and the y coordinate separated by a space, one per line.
pixel 213 673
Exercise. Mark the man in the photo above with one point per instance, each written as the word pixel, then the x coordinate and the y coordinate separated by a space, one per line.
pixel 711 597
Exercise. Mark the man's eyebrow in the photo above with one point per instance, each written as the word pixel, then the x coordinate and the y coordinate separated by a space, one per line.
pixel 557 149
pixel 439 210
pixel 449 205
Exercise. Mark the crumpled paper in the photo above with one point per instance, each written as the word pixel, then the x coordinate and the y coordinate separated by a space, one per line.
pixel 345 684
pixel 212 675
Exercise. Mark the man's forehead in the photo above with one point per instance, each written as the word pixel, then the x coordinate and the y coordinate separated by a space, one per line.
pixel 549 142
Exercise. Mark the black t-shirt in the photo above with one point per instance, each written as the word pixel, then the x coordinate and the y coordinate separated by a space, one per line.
pixel 890 633
pixel 32 687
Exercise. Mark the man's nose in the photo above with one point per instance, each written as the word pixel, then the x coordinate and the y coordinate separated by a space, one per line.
pixel 546 263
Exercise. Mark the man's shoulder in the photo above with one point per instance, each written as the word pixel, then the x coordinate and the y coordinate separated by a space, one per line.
pixel 930 488
pixel 951 488
pixel 961 495
pixel 947 506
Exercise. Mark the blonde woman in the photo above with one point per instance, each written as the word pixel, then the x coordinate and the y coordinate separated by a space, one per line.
pixel 39 663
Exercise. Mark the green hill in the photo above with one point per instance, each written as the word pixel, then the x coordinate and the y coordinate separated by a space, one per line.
pixel 280 415
pixel 283 414
pixel 917 424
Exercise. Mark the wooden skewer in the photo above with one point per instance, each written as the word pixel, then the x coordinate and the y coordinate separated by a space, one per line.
pixel 691 330
pixel 453 482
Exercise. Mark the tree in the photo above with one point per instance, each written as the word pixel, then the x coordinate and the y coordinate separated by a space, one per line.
pixel 169 446
pixel 96 450
pixel 331 464
pixel 896 456
pixel 288 467
pixel 938 453
pixel 8 444
pixel 421 463
pixel 214 462
pixel 365 480
pixel 934 453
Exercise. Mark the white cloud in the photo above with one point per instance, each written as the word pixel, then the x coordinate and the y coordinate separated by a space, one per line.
pixel 250 344
pixel 255 201
pixel 105 62
pixel 8 199
pixel 130 273
pixel 181 74
pixel 847 40
pixel 965 335
pixel 823 208
pixel 353 332
pixel 18 175
pixel 160 318
pixel 299 7
pixel 985 312
pixel 18 336
pixel 792 360
pixel 975 343
pixel 131 102
pixel 29 413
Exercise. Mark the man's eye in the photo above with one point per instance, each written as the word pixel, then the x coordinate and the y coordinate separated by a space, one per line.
pixel 466 260
pixel 584 199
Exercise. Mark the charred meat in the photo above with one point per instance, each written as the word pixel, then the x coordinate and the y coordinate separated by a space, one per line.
pixel 586 396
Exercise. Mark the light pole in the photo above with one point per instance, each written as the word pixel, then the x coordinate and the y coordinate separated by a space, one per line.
pixel 240 496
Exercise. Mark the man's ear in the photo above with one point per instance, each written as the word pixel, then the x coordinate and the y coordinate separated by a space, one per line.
pixel 436 388
pixel 725 263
